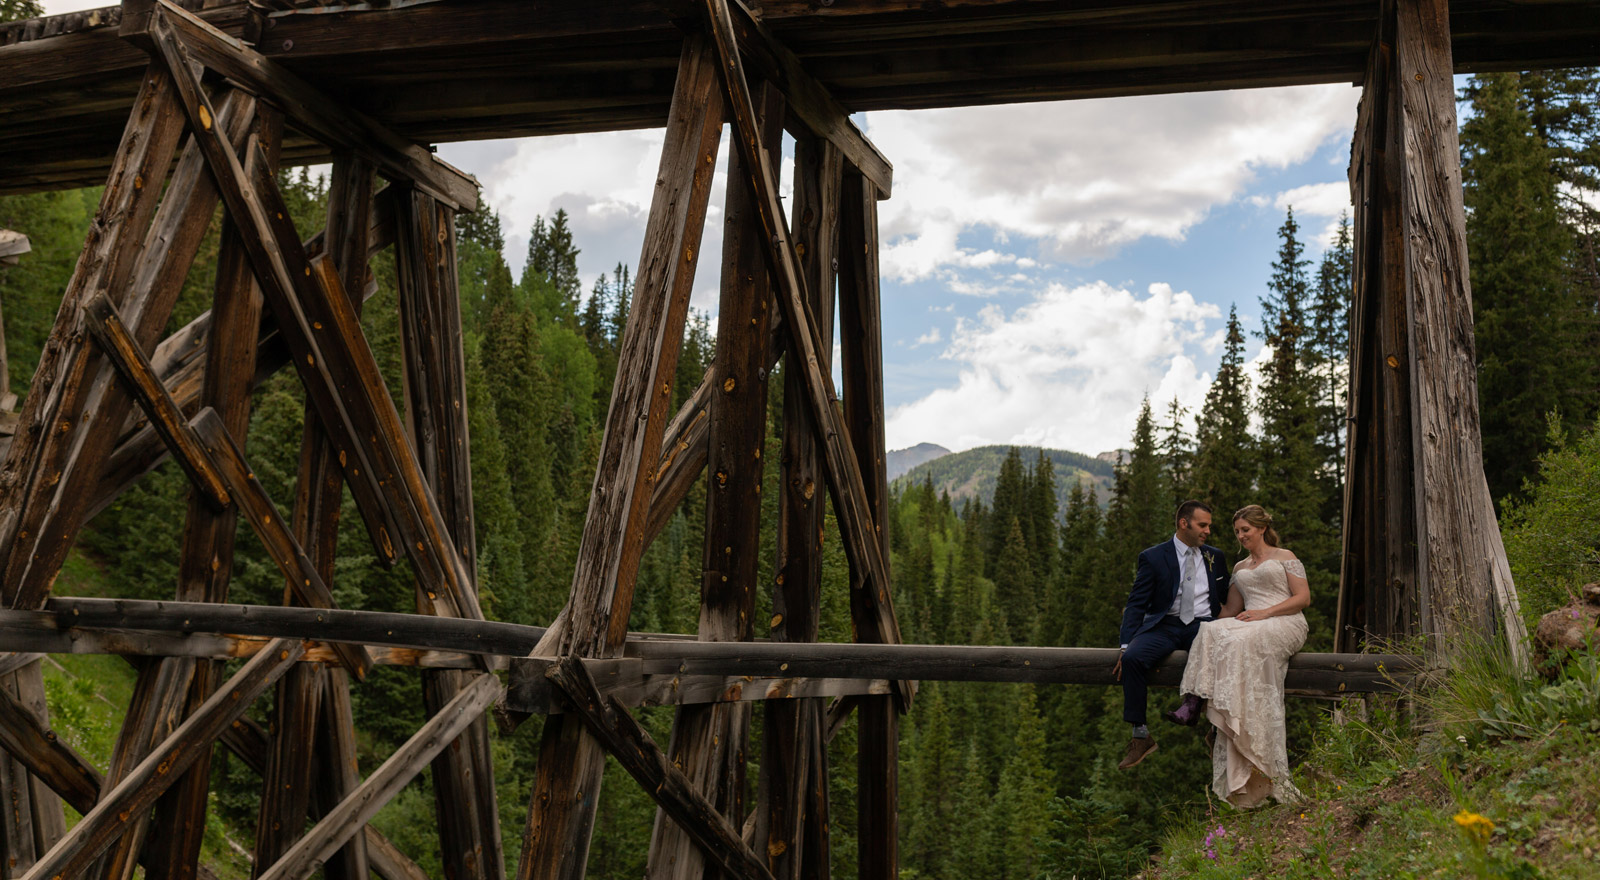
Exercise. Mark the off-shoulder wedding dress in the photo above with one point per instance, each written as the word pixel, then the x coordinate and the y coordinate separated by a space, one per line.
pixel 1238 667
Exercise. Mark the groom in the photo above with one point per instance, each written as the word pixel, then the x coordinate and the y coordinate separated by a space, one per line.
pixel 1179 583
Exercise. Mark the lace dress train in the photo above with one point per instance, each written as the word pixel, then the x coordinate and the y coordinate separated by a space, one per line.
pixel 1238 667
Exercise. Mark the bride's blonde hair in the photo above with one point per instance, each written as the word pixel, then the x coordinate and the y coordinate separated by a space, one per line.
pixel 1257 516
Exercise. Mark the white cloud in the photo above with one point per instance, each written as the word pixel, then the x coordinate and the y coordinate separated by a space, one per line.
pixel 932 337
pixel 1066 370
pixel 1085 178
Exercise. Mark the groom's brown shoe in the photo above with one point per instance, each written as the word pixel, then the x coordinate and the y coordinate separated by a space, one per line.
pixel 1139 748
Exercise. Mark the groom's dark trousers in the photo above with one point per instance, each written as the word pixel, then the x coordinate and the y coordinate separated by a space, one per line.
pixel 1144 653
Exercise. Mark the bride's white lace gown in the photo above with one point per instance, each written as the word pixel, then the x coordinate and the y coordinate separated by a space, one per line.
pixel 1238 667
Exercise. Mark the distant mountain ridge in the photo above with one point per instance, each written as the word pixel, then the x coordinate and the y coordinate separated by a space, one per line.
pixel 973 473
pixel 901 460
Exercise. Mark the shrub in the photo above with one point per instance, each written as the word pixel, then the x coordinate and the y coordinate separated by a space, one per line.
pixel 1553 537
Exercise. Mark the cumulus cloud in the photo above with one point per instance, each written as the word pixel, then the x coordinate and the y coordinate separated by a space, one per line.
pixel 1327 201
pixel 1067 369
pixel 1085 178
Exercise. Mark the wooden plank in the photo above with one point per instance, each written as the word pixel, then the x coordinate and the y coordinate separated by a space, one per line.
pixel 787 780
pixel 350 815
pixel 40 465
pixel 182 359
pixel 844 474
pixel 1464 576
pixel 809 100
pixel 436 425
pixel 30 740
pixel 136 793
pixel 861 355
pixel 106 326
pixel 560 818
pixel 269 525
pixel 708 743
pixel 672 791
pixel 331 760
pixel 312 111
pixel 286 784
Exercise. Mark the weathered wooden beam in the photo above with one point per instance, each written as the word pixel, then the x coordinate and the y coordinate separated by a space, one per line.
pixel 789 778
pixel 626 681
pixel 106 326
pixel 672 791
pixel 708 742
pixel 561 816
pixel 10 663
pixel 319 493
pixel 436 425
pixel 30 740
pixel 330 121
pixel 347 819
pixel 136 793
pixel 808 100
pixel 861 356
pixel 252 500
pixel 41 480
pixel 851 501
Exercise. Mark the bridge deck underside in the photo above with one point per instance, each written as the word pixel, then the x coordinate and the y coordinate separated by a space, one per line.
pixel 438 72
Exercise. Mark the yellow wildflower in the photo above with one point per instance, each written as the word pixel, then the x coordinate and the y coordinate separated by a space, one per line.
pixel 1476 827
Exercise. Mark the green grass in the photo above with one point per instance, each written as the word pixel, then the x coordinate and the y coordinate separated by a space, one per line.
pixel 1383 797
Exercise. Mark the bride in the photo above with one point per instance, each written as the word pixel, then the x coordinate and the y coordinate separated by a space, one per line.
pixel 1238 661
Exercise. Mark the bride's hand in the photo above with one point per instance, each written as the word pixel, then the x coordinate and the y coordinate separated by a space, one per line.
pixel 1250 615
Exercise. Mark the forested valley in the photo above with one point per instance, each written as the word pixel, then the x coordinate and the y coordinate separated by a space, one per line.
pixel 998 781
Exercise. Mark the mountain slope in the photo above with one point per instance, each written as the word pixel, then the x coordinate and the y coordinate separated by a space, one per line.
pixel 901 460
pixel 972 474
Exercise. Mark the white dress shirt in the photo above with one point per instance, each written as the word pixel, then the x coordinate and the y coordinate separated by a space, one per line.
pixel 1202 583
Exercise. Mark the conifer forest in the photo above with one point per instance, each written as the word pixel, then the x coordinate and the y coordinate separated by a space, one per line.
pixel 1012 782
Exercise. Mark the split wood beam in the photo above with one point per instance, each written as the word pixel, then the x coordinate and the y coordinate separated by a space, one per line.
pixel 436 425
pixel 314 753
pixel 1462 578
pixel 182 361
pixel 330 121
pixel 137 793
pixel 719 842
pixel 252 500
pixel 349 816
pixel 571 761
pixel 708 742
pixel 809 101
pixel 792 818
pixel 336 365
pixel 861 356
pixel 851 501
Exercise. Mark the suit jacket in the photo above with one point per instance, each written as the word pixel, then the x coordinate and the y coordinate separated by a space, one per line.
pixel 1155 586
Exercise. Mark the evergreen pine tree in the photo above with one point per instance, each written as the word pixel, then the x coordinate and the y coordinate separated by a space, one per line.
pixel 1225 458
pixel 1022 804
pixel 1177 453
pixel 1525 313
pixel 1015 587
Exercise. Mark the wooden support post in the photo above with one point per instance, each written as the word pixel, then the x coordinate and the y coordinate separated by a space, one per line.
pixel 708 742
pixel 861 332
pixel 436 425
pixel 794 816
pixel 565 791
pixel 331 757
pixel 851 500
pixel 31 741
pixel 137 792
pixel 719 842
pixel 346 819
pixel 1462 579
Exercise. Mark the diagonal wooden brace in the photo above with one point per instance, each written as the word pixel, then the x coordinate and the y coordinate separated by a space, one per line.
pixel 843 470
pixel 32 742
pixel 131 798
pixel 667 785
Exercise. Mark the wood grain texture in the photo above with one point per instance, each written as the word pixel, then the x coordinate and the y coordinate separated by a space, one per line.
pixel 556 841
pixel 137 792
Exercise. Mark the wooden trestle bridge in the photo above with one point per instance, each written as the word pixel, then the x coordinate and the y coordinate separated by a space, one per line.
pixel 176 108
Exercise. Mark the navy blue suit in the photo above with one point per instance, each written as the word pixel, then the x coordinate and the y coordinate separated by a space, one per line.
pixel 1148 630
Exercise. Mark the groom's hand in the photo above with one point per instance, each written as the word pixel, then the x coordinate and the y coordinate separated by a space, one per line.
pixel 1117 669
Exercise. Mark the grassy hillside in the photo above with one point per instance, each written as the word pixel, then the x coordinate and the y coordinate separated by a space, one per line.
pixel 1485 776
pixel 972 474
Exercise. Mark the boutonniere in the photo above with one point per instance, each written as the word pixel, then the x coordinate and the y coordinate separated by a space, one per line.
pixel 1210 560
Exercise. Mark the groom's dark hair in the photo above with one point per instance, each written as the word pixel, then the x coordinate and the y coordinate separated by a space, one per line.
pixel 1186 509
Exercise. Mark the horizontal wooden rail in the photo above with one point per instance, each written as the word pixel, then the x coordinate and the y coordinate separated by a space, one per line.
pixel 650 664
